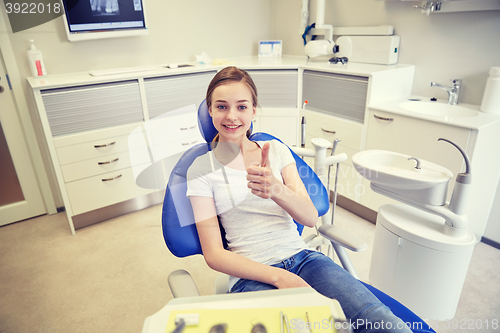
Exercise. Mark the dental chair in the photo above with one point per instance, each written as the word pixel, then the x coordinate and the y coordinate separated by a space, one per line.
pixel 181 236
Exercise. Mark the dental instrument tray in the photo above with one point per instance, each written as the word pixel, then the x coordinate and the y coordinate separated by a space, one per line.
pixel 318 318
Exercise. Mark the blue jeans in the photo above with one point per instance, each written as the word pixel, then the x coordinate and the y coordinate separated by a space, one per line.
pixel 365 312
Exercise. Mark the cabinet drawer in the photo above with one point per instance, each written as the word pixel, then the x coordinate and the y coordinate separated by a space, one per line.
pixel 334 121
pixel 166 129
pixel 104 164
pixel 103 190
pixel 332 128
pixel 102 148
pixel 167 149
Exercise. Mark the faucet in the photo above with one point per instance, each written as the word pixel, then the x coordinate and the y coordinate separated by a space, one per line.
pixel 453 91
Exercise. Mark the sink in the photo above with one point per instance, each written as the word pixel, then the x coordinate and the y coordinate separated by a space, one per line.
pixel 393 175
pixel 438 109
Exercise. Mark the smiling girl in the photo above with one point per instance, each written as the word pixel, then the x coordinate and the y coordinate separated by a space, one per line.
pixel 256 192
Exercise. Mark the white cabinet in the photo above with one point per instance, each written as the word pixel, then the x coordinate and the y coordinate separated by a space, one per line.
pixel 279 122
pixel 320 125
pixel 278 99
pixel 336 109
pixel 101 136
pixel 87 121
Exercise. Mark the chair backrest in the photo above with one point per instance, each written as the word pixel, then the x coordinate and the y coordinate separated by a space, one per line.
pixel 179 229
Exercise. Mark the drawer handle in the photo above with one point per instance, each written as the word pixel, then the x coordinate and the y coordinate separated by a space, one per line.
pixel 188 128
pixel 110 179
pixel 185 143
pixel 327 131
pixel 105 145
pixel 109 162
pixel 383 118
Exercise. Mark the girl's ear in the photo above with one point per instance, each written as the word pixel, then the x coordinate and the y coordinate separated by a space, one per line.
pixel 210 111
pixel 254 112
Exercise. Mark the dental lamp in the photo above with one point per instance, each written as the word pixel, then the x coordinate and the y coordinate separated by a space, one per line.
pixel 323 47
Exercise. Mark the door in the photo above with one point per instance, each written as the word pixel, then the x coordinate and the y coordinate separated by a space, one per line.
pixel 20 195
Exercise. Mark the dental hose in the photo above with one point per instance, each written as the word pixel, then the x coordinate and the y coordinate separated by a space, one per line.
pixel 334 200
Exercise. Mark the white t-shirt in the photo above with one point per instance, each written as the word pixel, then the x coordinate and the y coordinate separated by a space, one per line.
pixel 256 228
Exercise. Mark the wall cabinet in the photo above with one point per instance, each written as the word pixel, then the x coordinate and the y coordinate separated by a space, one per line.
pixel 336 109
pixel 278 91
pixel 320 125
pixel 90 129
pixel 104 133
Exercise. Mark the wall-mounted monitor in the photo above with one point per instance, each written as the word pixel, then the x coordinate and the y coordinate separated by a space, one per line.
pixel 95 19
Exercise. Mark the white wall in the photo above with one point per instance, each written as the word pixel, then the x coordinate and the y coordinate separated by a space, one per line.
pixel 178 31
pixel 442 46
pixel 461 45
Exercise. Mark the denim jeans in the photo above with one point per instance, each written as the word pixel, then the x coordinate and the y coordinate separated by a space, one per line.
pixel 365 312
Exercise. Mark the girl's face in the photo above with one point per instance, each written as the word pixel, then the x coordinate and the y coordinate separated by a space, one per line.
pixel 232 111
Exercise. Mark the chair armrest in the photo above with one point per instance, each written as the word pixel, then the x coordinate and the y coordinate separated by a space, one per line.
pixel 342 237
pixel 221 284
pixel 182 284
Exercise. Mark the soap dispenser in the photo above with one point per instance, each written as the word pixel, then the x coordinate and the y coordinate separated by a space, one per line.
pixel 36 61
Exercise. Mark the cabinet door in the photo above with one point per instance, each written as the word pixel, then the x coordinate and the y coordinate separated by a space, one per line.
pixel 169 93
pixel 84 108
pixel 320 125
pixel 414 137
pixel 276 88
pixel 336 94
pixel 280 122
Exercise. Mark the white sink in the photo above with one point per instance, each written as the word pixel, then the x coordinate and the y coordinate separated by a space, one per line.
pixel 393 175
pixel 439 109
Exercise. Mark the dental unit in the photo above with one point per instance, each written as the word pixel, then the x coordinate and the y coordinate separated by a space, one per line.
pixel 425 187
pixel 424 242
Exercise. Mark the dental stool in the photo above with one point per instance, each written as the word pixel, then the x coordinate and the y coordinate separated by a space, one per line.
pixel 181 236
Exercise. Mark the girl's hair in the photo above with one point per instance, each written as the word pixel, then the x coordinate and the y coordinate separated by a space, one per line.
pixel 229 75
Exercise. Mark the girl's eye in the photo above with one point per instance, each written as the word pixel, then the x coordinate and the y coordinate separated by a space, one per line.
pixel 221 107
pixel 242 107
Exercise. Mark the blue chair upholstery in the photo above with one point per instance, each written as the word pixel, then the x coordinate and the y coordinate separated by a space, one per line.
pixel 179 229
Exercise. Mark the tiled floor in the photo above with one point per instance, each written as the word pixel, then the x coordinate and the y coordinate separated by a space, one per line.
pixel 110 276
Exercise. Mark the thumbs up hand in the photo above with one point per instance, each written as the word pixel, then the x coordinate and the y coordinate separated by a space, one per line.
pixel 265 155
pixel 261 179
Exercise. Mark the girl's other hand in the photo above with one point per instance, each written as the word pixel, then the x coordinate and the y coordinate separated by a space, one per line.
pixel 290 280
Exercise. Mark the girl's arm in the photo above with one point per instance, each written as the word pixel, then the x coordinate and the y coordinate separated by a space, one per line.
pixel 231 263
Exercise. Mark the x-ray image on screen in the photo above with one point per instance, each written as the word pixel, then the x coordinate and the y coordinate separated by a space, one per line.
pixel 104 7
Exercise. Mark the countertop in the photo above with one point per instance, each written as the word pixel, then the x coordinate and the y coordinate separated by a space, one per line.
pixel 480 121
pixel 254 62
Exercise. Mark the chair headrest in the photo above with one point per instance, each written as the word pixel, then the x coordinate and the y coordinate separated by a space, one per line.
pixel 205 124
